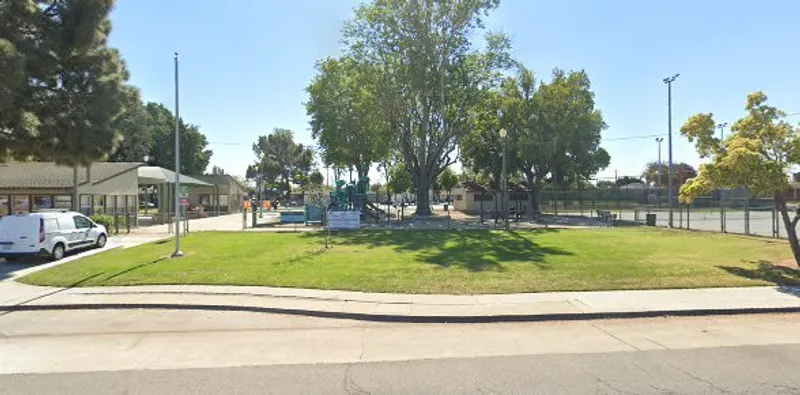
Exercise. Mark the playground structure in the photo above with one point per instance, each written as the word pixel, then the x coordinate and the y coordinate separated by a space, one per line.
pixel 346 197
pixel 353 197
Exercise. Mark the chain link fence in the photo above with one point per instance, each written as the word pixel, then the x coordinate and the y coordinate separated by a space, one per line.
pixel 725 211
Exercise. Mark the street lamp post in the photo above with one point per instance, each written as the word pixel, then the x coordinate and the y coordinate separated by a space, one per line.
pixel 504 178
pixel 721 128
pixel 177 252
pixel 658 170
pixel 669 81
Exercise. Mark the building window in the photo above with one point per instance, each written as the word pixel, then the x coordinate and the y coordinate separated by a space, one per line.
pixel 62 202
pixel 223 200
pixel 459 197
pixel 99 204
pixel 131 204
pixel 4 205
pixel 86 204
pixel 477 197
pixel 42 202
pixel 20 204
pixel 205 199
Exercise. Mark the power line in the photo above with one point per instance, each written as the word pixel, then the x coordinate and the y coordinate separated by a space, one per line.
pixel 634 137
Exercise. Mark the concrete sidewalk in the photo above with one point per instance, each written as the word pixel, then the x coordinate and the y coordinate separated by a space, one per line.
pixel 403 307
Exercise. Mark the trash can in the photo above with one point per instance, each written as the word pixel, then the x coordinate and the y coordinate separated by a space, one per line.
pixel 650 219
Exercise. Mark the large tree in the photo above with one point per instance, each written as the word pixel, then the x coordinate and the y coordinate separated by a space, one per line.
pixel 757 154
pixel 62 84
pixel 134 128
pixel 281 162
pixel 680 173
pixel 552 131
pixel 346 118
pixel 194 153
pixel 430 74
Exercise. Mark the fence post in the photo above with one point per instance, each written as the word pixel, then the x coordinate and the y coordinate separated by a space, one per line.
pixel 128 222
pixel 555 202
pixel 687 217
pixel 774 228
pixel 116 223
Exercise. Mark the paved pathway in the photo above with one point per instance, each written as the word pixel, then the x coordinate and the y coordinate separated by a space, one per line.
pixel 406 307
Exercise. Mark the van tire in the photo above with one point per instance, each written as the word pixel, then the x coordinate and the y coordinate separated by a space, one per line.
pixel 101 241
pixel 58 252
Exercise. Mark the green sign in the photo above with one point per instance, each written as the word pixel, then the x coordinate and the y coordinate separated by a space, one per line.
pixel 185 191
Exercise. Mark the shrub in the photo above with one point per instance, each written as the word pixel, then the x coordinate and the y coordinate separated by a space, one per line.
pixel 108 221
pixel 105 220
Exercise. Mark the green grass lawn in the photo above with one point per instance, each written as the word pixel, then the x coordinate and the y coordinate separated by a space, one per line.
pixel 461 262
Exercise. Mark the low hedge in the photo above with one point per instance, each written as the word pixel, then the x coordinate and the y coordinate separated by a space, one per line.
pixel 108 221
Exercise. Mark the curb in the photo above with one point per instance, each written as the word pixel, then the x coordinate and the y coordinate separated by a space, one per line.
pixel 416 319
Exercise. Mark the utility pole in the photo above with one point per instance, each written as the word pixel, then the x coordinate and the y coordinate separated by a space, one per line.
pixel 721 128
pixel 669 81
pixel 177 191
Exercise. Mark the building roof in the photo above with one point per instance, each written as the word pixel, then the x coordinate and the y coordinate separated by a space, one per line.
pixel 50 175
pixel 160 175
pixel 472 186
pixel 220 179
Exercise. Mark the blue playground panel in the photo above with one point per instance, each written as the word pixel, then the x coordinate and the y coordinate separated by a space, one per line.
pixel 293 217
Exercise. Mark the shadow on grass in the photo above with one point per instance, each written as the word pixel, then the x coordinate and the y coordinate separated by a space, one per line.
pixel 474 250
pixel 766 271
pixel 132 268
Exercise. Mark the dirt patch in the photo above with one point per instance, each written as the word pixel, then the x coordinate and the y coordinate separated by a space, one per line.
pixel 788 263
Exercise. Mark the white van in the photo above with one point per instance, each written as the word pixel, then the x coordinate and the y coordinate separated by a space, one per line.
pixel 48 233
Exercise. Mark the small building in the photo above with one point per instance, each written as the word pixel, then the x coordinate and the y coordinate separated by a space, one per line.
pixel 225 194
pixel 471 197
pixel 103 188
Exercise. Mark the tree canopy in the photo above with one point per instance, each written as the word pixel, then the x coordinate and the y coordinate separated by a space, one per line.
pixel 430 75
pixel 62 86
pixel 194 154
pixel 346 117
pixel 400 180
pixel 447 180
pixel 281 162
pixel 553 131
pixel 757 154
pixel 681 172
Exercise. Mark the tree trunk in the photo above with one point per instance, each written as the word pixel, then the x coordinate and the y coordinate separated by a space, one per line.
pixel 423 202
pixel 790 225
pixel 533 200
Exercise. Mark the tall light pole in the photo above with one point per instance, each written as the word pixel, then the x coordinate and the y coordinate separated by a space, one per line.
pixel 177 191
pixel 721 128
pixel 504 178
pixel 659 140
pixel 669 81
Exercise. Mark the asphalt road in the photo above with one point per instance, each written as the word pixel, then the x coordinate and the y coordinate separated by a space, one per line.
pixel 744 369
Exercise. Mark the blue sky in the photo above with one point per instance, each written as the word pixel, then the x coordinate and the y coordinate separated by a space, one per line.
pixel 245 63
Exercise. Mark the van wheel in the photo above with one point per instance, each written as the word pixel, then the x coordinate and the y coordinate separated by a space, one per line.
pixel 101 241
pixel 58 252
